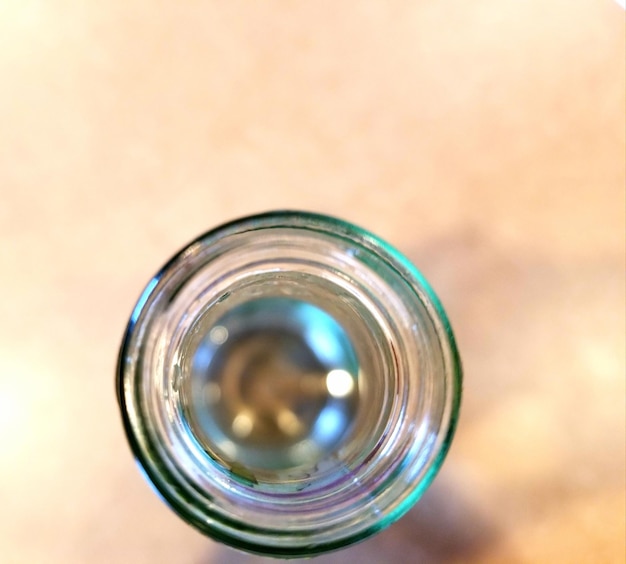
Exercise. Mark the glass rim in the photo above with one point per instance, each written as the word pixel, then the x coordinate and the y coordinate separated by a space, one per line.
pixel 156 471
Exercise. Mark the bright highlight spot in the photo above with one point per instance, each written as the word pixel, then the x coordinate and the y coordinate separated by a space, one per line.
pixel 228 448
pixel 339 383
pixel 242 425
pixel 289 422
pixel 218 335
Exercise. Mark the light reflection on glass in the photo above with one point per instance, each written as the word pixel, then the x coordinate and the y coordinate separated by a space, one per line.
pixel 339 383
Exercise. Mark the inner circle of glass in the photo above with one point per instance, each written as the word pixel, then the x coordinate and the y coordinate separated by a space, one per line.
pixel 273 385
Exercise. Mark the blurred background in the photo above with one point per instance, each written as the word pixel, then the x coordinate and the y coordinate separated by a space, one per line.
pixel 484 139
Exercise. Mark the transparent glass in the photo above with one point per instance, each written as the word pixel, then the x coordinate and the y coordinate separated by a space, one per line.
pixel 289 383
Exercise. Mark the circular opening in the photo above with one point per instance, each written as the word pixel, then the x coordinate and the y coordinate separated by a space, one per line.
pixel 289 383
pixel 271 386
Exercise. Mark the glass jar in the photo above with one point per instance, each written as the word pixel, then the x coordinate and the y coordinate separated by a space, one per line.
pixel 289 383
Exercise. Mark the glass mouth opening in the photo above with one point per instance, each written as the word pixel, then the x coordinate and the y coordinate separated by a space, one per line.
pixel 272 387
pixel 289 383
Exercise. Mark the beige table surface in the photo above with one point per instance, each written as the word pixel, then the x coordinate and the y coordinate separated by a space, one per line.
pixel 485 139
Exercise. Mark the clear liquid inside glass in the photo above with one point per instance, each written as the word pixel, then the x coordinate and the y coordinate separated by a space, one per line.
pixel 274 385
